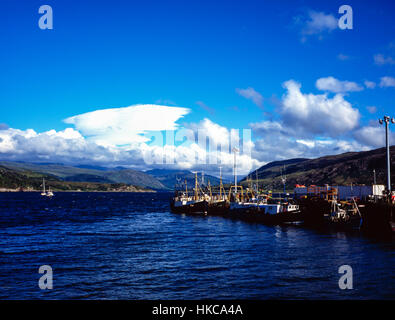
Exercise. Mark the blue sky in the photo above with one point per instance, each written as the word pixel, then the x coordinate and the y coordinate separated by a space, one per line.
pixel 192 54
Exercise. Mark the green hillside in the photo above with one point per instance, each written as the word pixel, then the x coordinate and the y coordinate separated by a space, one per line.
pixel 342 169
pixel 28 180
pixel 77 174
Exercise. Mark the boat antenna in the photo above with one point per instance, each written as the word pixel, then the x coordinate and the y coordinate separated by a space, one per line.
pixel 209 188
pixel 196 186
pixel 257 183
pixel 220 182
pixel 374 176
pixel 283 178
pixel 235 150
pixel 178 182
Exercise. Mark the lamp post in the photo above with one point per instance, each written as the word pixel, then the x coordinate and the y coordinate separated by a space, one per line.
pixel 387 120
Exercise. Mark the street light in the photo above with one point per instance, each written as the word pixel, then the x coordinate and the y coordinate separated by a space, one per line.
pixel 387 120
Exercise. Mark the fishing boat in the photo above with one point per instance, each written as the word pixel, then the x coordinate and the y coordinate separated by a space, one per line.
pixel 321 208
pixel 344 215
pixel 266 210
pixel 183 202
pixel 244 204
pixel 218 203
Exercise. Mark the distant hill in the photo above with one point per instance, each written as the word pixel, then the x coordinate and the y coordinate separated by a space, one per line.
pixel 342 169
pixel 169 177
pixel 78 174
pixel 158 179
pixel 11 179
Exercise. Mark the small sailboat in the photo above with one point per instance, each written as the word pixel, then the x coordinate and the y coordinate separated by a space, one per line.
pixel 48 193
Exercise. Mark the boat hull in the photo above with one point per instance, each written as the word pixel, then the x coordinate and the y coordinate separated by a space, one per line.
pixel 200 207
pixel 257 215
pixel 218 208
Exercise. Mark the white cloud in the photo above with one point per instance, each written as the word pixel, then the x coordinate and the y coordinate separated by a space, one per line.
pixel 387 82
pixel 276 142
pixel 197 157
pixel 120 126
pixel 343 57
pixel 317 114
pixel 373 136
pixel 267 127
pixel 371 109
pixel 251 94
pixel 205 107
pixel 71 147
pixel 380 59
pixel 3 126
pixel 309 126
pixel 370 84
pixel 334 85
pixel 216 143
pixel 62 146
pixel 319 22
pixel 217 134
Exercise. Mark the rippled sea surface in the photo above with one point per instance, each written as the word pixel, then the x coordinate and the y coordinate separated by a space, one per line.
pixel 130 246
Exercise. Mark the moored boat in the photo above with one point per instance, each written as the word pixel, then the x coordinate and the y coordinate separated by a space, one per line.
pixel 183 202
pixel 272 212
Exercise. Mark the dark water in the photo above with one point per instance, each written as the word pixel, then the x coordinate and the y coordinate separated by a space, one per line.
pixel 129 246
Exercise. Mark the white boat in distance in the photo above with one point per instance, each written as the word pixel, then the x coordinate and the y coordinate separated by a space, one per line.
pixel 48 193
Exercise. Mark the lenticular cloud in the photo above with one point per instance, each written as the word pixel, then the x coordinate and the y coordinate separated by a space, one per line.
pixel 119 126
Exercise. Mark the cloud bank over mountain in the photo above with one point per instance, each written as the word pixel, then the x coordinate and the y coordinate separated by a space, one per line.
pixel 150 136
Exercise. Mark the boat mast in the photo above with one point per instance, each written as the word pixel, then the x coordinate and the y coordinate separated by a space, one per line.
pixel 220 182
pixel 257 183
pixel 196 186
pixel 283 178
pixel 43 185
pixel 374 177
pixel 235 150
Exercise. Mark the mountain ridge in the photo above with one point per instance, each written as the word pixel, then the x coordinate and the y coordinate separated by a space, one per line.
pixel 25 180
pixel 77 174
pixel 340 169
